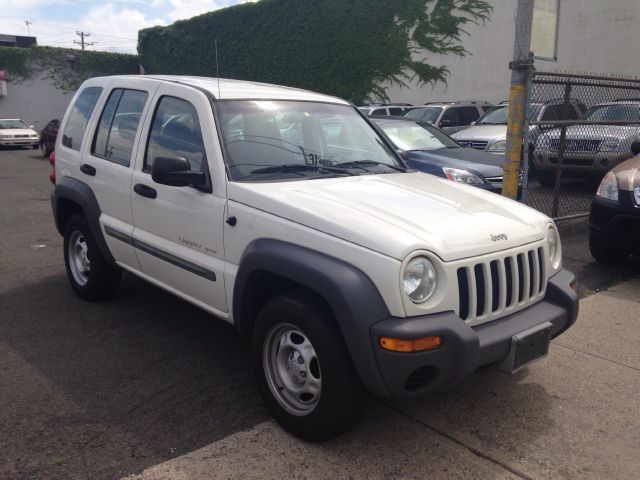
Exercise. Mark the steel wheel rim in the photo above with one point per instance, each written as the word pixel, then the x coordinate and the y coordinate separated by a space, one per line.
pixel 292 369
pixel 78 258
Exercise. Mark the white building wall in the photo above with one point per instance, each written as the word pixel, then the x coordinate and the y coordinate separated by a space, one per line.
pixel 596 36
pixel 36 101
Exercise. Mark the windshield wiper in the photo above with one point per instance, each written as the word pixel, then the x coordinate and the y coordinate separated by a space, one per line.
pixel 360 163
pixel 296 168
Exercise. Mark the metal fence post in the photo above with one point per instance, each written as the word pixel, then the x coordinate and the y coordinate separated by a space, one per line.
pixel 566 105
pixel 526 153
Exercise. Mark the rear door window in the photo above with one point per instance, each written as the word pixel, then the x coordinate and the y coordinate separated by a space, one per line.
pixel 118 126
pixel 79 117
pixel 395 111
pixel 379 111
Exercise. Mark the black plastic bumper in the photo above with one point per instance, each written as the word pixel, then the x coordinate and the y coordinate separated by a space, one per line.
pixel 617 223
pixel 464 348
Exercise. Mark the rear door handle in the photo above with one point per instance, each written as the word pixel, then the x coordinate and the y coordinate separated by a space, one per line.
pixel 145 190
pixel 88 169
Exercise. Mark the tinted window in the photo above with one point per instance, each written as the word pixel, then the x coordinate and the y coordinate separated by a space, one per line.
pixel 452 116
pixel 379 111
pixel 79 116
pixel 118 125
pixel 469 114
pixel 175 132
pixel 395 111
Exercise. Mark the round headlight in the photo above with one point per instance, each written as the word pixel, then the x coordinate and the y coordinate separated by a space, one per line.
pixel 553 241
pixel 419 279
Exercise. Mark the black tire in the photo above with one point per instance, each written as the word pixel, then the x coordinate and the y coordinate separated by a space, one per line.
pixel 546 178
pixel 44 149
pixel 100 279
pixel 340 399
pixel 602 252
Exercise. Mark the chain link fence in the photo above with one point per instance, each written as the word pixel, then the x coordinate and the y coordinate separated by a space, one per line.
pixel 578 128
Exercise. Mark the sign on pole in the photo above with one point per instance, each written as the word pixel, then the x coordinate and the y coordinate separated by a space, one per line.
pixel 544 30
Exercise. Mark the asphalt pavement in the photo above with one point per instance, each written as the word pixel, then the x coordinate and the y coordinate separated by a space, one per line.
pixel 148 383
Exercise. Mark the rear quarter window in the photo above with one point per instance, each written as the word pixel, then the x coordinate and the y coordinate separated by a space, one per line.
pixel 79 117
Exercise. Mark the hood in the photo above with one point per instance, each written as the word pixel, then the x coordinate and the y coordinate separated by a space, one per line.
pixel 628 174
pixel 398 213
pixel 486 164
pixel 17 131
pixel 482 132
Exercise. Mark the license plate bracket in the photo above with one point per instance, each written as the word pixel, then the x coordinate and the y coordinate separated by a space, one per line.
pixel 527 347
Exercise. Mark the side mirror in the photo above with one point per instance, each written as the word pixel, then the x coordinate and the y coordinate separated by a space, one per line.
pixel 635 148
pixel 472 123
pixel 176 172
pixel 32 126
pixel 445 123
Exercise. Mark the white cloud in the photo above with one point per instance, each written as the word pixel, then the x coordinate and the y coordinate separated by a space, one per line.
pixel 181 9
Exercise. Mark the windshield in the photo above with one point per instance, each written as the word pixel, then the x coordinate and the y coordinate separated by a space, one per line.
pixel 416 136
pixel 272 140
pixel 8 124
pixel 622 112
pixel 495 116
pixel 426 114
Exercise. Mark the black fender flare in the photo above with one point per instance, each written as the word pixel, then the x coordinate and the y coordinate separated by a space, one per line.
pixel 80 193
pixel 349 292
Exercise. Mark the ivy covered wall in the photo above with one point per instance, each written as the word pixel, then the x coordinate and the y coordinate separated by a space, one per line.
pixel 340 47
pixel 66 68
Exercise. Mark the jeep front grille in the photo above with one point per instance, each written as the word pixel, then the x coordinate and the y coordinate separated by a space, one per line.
pixel 492 288
pixel 575 145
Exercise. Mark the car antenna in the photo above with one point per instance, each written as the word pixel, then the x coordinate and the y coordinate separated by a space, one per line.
pixel 217 66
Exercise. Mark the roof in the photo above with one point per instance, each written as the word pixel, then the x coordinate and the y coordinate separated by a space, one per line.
pixel 225 88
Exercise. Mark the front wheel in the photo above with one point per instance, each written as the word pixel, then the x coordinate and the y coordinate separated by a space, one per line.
pixel 304 372
pixel 603 253
pixel 90 275
pixel 44 149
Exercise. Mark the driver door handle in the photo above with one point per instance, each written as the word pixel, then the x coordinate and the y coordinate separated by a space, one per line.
pixel 88 169
pixel 145 190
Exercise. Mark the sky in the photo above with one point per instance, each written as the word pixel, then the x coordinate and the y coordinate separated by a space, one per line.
pixel 113 25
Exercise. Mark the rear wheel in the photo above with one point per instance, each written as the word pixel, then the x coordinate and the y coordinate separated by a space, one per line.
pixel 603 253
pixel 304 372
pixel 91 277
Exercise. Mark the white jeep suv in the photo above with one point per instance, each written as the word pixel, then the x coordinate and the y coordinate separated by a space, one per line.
pixel 289 215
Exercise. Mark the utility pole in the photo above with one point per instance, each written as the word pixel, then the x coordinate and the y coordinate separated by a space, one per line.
pixel 520 67
pixel 82 43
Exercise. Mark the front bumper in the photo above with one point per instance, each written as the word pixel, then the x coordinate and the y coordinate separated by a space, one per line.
pixel 617 223
pixel 596 163
pixel 19 142
pixel 464 348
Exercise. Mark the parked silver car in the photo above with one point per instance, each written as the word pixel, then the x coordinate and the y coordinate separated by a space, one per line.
pixel 449 117
pixel 590 150
pixel 395 109
pixel 490 131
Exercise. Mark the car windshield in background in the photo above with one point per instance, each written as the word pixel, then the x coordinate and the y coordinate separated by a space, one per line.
pixel 274 140
pixel 495 116
pixel 10 124
pixel 620 112
pixel 416 136
pixel 426 114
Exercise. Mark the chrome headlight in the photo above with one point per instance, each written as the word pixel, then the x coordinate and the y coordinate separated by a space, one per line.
pixel 419 279
pixel 608 187
pixel 499 146
pixel 610 145
pixel 553 243
pixel 462 176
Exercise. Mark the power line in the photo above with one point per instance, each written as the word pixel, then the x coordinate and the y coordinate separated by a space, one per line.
pixel 82 43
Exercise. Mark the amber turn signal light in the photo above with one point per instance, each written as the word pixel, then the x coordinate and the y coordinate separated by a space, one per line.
pixel 417 345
